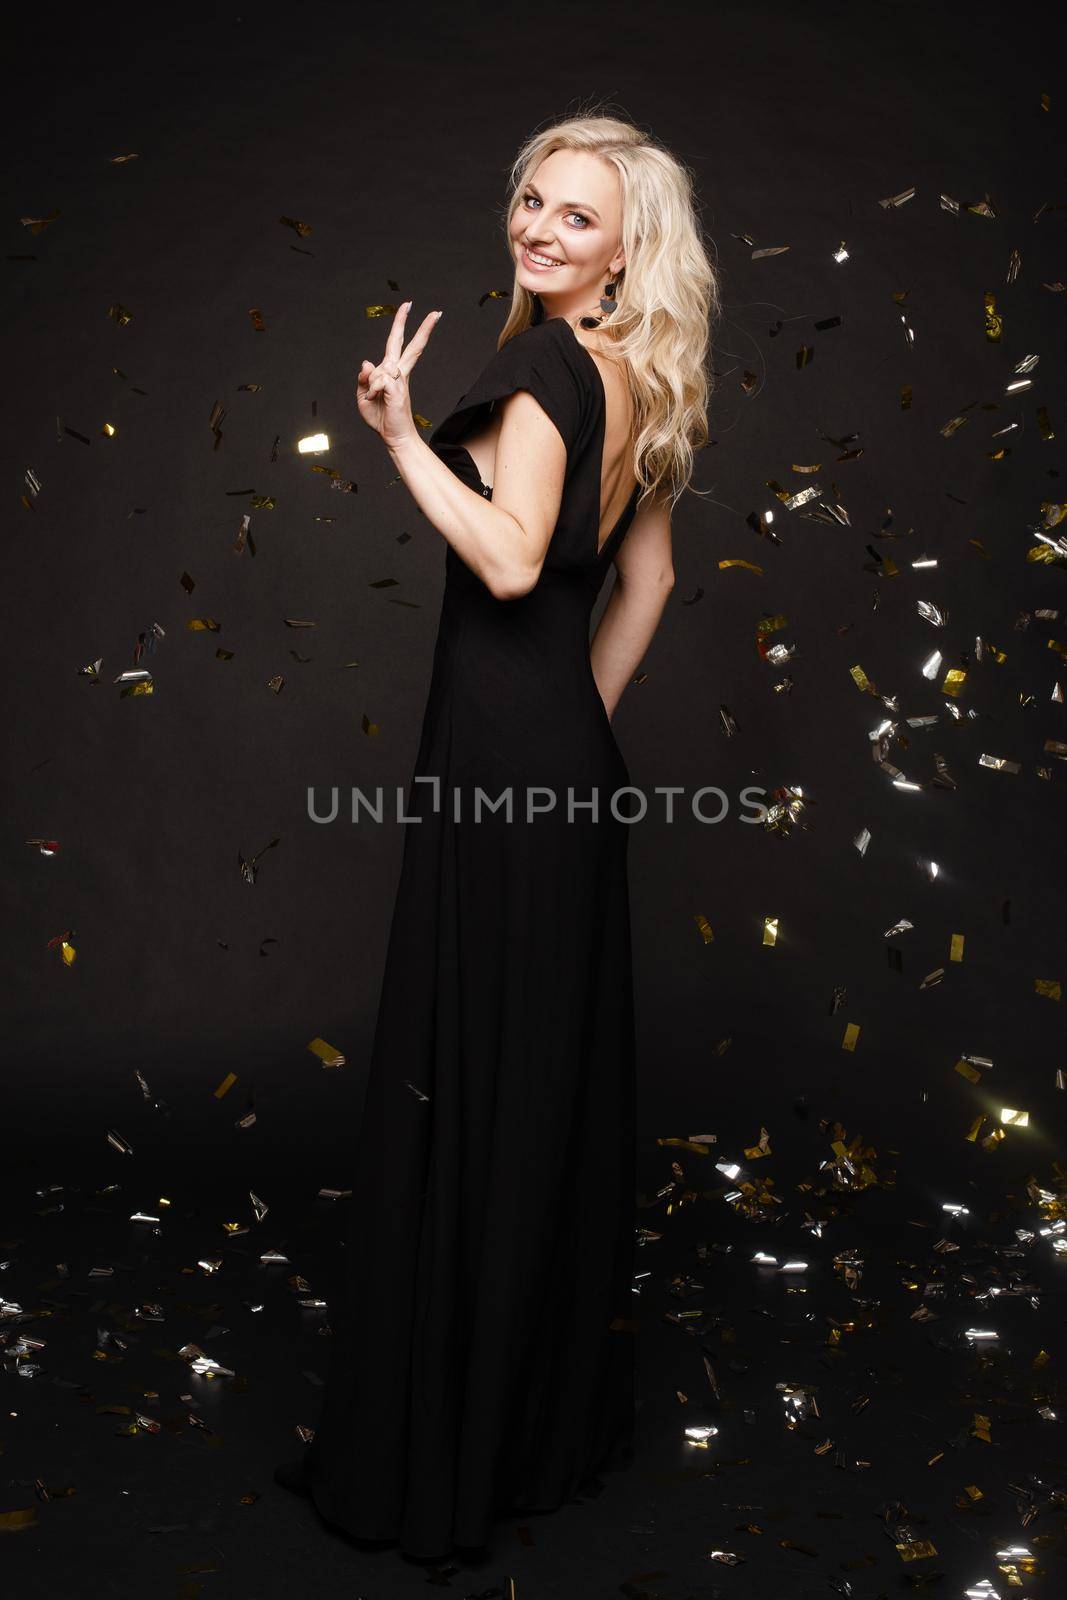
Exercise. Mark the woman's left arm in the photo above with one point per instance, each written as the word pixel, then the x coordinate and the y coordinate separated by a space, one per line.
pixel 504 541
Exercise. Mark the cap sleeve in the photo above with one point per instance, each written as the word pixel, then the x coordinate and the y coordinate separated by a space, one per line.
pixel 539 361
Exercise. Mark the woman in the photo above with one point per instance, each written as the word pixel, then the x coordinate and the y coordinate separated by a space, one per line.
pixel 483 1359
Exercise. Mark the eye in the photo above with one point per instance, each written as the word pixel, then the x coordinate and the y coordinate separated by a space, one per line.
pixel 532 199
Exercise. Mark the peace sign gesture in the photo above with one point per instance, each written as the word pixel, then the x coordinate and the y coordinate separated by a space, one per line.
pixel 382 391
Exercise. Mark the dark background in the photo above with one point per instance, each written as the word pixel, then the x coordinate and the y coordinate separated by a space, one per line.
pixel 391 133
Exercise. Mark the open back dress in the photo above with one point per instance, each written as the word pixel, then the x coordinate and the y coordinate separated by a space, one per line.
pixel 482 1360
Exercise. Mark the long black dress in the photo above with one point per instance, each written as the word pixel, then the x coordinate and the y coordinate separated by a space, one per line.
pixel 483 1358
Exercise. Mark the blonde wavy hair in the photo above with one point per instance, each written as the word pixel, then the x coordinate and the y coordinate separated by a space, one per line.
pixel 667 298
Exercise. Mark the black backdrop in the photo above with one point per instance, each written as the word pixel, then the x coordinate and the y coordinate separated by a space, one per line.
pixel 390 134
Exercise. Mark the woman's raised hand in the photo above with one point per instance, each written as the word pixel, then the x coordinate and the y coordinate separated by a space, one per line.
pixel 382 390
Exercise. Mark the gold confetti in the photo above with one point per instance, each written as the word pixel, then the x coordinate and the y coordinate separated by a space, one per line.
pixel 994 324
pixel 763 1148
pixel 953 424
pixel 302 228
pixel 918 1550
pixel 894 202
pixel 770 625
pixel 62 943
pixel 326 1052
pixel 770 930
pixel 226 1085
pixel 250 868
pixel 737 562
pixel 257 320
pixel 15 1521
pixel 956 947
pixel 1049 987
pixel 998 763
pixel 705 927
pixel 851 1034
pixel 38 224
pixel 120 314
pixel 685 1144
pixel 203 625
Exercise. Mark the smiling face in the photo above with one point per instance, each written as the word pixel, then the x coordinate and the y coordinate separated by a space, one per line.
pixel 566 232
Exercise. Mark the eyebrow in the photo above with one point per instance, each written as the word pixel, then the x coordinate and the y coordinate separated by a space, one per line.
pixel 572 205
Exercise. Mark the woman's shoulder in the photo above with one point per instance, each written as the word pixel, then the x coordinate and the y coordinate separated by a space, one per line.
pixel 545 358
pixel 555 348
pixel 583 350
pixel 537 337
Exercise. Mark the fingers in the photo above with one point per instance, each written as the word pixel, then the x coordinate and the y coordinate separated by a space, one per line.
pixel 395 353
pixel 419 340
pixel 371 380
pixel 385 383
pixel 374 379
pixel 382 381
pixel 395 342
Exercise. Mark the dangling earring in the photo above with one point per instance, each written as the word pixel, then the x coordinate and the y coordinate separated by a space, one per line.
pixel 608 304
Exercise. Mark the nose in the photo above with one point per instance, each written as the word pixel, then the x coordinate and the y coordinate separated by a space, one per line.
pixel 543 247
